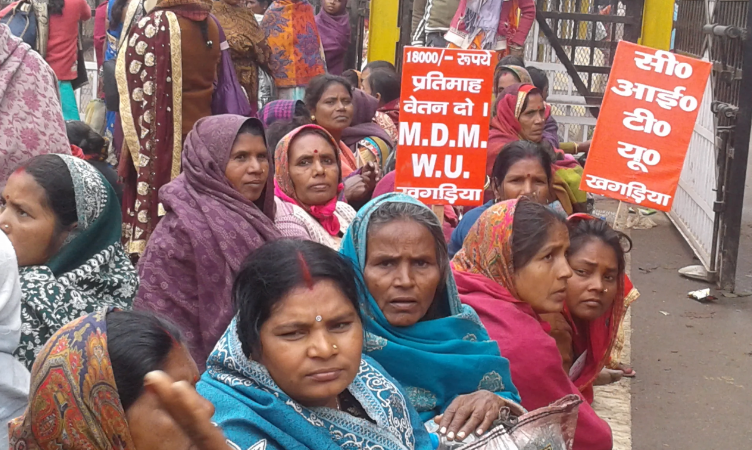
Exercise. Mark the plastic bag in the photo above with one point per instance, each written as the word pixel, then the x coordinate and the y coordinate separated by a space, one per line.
pixel 549 428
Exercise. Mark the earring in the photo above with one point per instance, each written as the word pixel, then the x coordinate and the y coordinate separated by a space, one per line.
pixel 313 118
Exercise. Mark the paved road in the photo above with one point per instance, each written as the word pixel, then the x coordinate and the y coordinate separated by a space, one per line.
pixel 694 364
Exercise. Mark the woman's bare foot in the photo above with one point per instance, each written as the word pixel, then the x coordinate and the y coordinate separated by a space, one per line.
pixel 608 376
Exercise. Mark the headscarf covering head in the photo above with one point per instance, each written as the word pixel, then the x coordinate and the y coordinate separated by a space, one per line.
pixel 487 249
pixel 279 110
pixel 334 32
pixel 523 76
pixel 219 226
pixel 73 400
pixel 435 360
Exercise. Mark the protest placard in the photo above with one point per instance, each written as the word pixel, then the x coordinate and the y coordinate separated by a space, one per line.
pixel 645 125
pixel 445 109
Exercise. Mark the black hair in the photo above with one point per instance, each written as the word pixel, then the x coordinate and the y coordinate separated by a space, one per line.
pixel 52 174
pixel 55 7
pixel 511 60
pixel 138 342
pixel 516 151
pixel 352 77
pixel 583 231
pixel 375 65
pixel 271 271
pixel 530 230
pixel 251 127
pixel 281 128
pixel 319 84
pixel 117 13
pixel 539 77
pixel 203 26
pixel 386 83
pixel 83 136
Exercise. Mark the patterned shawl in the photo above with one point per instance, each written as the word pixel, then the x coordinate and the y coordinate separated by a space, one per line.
pixel 335 38
pixel 290 29
pixel 151 108
pixel 90 271
pixel 31 117
pixel 434 360
pixel 278 110
pixel 254 412
pixel 194 253
pixel 488 246
pixel 248 46
pixel 74 402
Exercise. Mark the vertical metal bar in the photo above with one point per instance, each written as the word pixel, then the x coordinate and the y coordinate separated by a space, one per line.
pixel 732 220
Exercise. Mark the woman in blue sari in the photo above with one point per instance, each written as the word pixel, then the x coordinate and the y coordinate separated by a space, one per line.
pixel 288 374
pixel 416 327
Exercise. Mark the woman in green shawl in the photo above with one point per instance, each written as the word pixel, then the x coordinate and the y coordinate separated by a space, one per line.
pixel 63 219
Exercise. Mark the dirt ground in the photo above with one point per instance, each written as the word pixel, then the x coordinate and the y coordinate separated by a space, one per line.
pixel 694 361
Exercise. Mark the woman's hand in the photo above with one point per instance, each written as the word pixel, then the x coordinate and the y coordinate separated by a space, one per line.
pixel 473 413
pixel 358 188
pixel 186 406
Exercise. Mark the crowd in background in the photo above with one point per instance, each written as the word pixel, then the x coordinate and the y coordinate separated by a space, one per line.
pixel 222 242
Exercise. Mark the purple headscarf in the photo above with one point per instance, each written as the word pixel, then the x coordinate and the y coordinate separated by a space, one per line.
pixel 362 125
pixel 335 38
pixel 278 110
pixel 193 255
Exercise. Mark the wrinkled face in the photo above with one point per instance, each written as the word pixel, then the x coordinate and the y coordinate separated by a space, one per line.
pixel 333 7
pixel 506 79
pixel 525 177
pixel 533 118
pixel 334 111
pixel 311 344
pixel 257 6
pixel 542 282
pixel 402 272
pixel 592 289
pixel 28 220
pixel 152 427
pixel 313 169
pixel 248 167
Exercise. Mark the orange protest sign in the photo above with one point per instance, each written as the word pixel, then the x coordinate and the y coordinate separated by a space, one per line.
pixel 645 125
pixel 445 108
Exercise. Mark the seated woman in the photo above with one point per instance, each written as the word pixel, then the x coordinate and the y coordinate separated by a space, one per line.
pixel 598 295
pixel 371 135
pixel 522 168
pixel 417 329
pixel 521 114
pixel 218 210
pixel 330 100
pixel 289 373
pixel 64 221
pixel 511 269
pixel 99 369
pixel 307 180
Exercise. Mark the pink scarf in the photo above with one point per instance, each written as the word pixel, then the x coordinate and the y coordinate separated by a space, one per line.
pixel 324 214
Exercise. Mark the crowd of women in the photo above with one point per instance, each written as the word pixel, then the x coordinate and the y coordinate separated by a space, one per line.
pixel 260 274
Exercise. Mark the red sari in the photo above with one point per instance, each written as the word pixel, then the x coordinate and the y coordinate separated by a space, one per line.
pixel 484 273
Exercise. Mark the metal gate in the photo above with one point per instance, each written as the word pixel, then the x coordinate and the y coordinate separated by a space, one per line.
pixel 704 208
pixel 574 42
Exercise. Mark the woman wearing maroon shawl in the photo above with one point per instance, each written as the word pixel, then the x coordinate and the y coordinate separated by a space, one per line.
pixel 333 23
pixel 520 114
pixel 598 295
pixel 218 210
pixel 512 268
